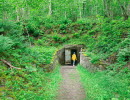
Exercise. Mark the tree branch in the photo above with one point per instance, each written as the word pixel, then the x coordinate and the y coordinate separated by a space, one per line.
pixel 7 63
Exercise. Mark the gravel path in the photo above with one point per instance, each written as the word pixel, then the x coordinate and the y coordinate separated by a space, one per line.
pixel 70 88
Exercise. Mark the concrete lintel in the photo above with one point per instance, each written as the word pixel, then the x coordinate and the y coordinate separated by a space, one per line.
pixel 73 46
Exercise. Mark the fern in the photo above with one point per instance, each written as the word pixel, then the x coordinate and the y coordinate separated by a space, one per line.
pixel 5 43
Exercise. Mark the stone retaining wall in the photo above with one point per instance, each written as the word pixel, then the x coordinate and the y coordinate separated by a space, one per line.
pixel 85 61
pixel 61 56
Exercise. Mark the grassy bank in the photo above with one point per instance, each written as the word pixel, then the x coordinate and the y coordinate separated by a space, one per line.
pixel 105 85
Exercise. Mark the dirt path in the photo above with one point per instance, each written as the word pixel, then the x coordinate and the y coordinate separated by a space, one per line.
pixel 70 88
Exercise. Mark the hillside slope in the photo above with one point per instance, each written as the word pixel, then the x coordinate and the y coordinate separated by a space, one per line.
pixel 32 49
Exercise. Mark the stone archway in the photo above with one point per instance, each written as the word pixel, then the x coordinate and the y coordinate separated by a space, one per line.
pixel 64 54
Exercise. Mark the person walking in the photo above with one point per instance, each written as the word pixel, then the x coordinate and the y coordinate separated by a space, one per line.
pixel 74 58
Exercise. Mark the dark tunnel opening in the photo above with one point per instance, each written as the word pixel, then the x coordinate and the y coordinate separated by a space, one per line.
pixel 65 54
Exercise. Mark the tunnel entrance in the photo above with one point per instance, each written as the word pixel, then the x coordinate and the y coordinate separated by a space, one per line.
pixel 65 54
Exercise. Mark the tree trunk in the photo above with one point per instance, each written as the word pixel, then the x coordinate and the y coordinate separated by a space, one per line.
pixel 84 8
pixel 4 15
pixel 17 14
pixel 107 8
pixel 27 11
pixel 128 9
pixel 50 7
pixel 80 13
pixel 124 11
pixel 80 10
pixel 104 5
pixel 65 15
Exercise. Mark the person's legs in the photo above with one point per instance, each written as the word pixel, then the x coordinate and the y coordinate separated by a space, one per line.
pixel 73 62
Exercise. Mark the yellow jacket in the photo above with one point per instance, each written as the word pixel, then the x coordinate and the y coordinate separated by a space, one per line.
pixel 74 57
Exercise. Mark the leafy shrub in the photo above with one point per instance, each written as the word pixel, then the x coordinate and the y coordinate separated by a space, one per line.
pixel 88 26
pixel 13 31
pixel 65 21
pixel 80 21
pixel 63 31
pixel 43 55
pixel 48 26
pixel 63 27
pixel 31 26
pixel 124 54
pixel 1 28
pixel 5 43
pixel 10 28
pixel 95 59
pixel 91 31
pixel 56 38
pixel 48 19
pixel 64 39
pixel 77 35
pixel 36 33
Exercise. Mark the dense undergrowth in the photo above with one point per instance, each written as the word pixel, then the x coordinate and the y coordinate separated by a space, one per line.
pixel 32 81
pixel 31 46
pixel 109 41
pixel 25 84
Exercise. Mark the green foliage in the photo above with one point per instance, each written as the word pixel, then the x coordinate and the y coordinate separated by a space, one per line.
pixel 77 35
pixel 5 43
pixel 38 56
pixel 65 21
pixel 123 55
pixel 33 27
pixel 13 31
pixel 56 38
pixel 37 33
pixel 31 82
pixel 91 32
pixel 111 38
pixel 63 26
pixel 95 59
pixel 104 86
pixel 28 24
pixel 23 84
pixel 64 39
pixel 10 28
pixel 43 54
pixel 43 41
